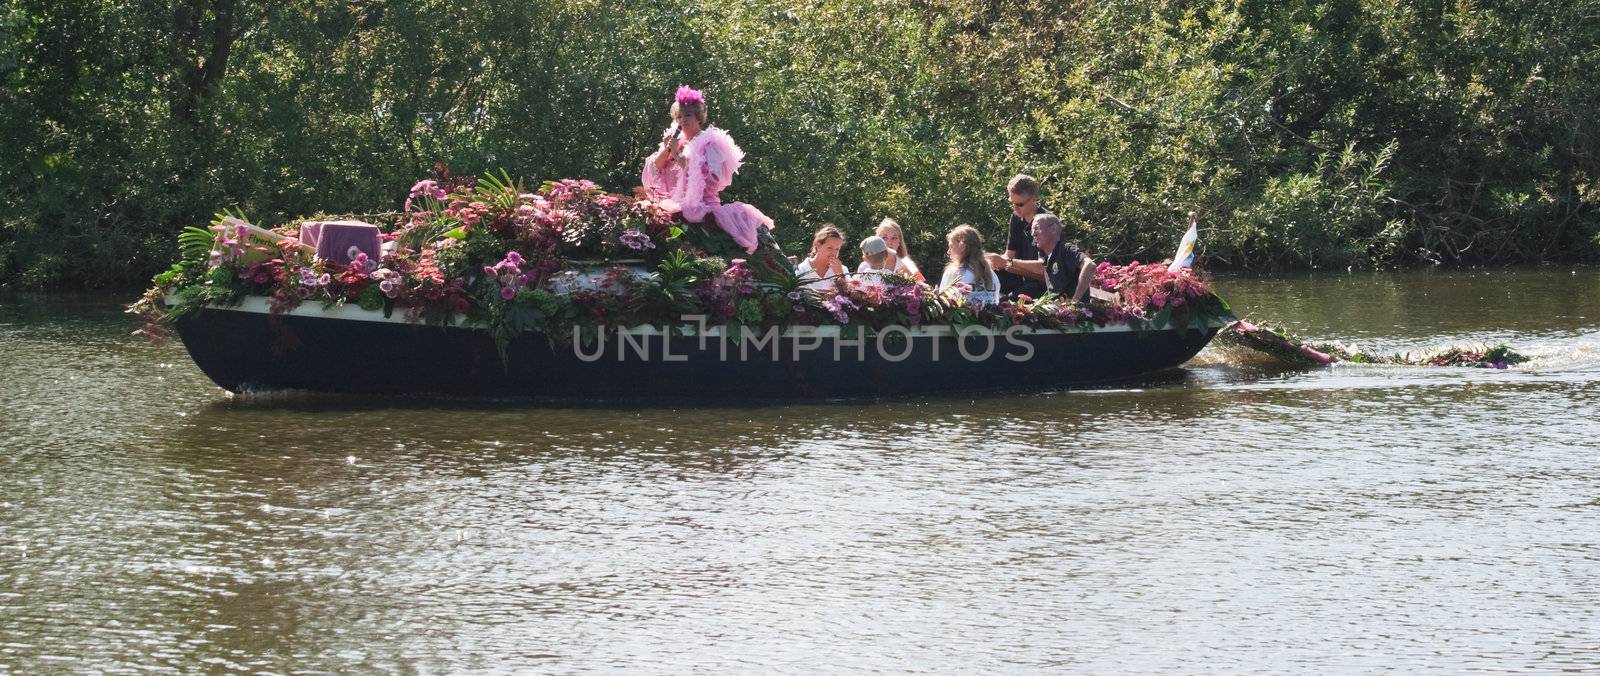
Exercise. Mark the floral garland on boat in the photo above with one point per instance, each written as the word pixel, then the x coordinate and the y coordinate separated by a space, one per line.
pixel 491 252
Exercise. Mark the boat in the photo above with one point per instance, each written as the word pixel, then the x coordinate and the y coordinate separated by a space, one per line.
pixel 347 349
pixel 493 268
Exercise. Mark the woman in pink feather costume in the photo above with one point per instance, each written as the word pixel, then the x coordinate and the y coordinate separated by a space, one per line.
pixel 687 174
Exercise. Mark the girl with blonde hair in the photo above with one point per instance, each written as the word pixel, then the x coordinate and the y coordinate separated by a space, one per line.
pixel 968 266
pixel 900 257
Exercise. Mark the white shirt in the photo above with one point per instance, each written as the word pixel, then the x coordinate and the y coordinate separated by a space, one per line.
pixel 806 273
pixel 871 275
pixel 903 265
pixel 964 275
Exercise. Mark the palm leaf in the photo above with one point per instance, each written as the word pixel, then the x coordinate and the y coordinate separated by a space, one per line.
pixel 194 243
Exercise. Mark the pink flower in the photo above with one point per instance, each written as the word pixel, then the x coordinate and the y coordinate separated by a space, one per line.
pixel 507 293
pixel 428 188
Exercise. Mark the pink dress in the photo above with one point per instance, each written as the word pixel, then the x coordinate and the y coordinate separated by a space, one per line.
pixel 709 163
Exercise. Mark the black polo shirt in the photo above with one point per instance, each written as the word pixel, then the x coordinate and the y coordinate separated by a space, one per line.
pixel 1061 269
pixel 1019 238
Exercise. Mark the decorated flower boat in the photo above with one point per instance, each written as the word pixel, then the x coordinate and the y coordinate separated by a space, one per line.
pixel 475 291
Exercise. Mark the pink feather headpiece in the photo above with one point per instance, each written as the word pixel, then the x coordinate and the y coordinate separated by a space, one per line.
pixel 687 96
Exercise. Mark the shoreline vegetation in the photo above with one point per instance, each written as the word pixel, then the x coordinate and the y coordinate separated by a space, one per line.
pixel 1319 134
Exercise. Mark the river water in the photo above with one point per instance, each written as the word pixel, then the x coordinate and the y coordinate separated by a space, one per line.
pixel 1234 518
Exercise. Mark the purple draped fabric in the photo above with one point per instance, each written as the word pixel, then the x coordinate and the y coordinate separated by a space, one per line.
pixel 333 239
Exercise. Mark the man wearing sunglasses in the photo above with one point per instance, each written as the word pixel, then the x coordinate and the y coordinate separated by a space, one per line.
pixel 1023 191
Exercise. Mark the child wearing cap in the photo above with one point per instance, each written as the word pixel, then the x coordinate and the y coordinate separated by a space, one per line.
pixel 874 261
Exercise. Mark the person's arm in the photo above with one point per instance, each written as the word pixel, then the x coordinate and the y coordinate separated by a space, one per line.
pixel 660 172
pixel 1033 270
pixel 1085 278
pixel 667 151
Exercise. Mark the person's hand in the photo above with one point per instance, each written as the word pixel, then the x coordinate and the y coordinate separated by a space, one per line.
pixel 997 261
pixel 667 153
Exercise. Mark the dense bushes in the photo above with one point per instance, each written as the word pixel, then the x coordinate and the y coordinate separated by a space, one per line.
pixel 1309 132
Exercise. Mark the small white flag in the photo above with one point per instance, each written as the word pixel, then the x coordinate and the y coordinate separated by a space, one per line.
pixel 1185 256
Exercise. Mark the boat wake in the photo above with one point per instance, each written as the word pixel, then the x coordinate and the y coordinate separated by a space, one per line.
pixel 1248 346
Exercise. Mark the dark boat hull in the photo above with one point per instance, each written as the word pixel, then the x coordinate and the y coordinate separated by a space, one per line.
pixel 348 350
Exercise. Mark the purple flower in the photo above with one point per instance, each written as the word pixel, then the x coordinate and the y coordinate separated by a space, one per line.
pixel 507 293
pixel 839 306
pixel 636 240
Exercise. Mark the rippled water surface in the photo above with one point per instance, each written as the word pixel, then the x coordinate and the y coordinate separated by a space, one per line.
pixel 1235 518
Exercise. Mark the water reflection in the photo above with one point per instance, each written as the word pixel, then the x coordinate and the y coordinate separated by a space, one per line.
pixel 1230 514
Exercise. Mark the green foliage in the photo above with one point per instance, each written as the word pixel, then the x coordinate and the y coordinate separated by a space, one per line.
pixel 1306 133
pixel 666 294
pixel 500 191
pixel 194 244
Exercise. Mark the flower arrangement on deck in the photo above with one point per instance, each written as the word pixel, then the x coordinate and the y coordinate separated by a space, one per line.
pixel 490 252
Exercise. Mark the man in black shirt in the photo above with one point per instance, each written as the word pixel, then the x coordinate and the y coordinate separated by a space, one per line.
pixel 1066 271
pixel 1023 191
